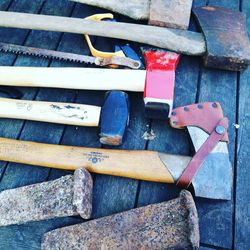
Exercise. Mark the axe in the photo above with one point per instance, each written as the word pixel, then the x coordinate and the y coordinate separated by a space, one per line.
pixel 157 81
pixel 224 42
pixel 209 170
pixel 116 105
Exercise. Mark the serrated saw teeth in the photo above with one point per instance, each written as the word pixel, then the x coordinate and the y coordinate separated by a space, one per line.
pixel 68 57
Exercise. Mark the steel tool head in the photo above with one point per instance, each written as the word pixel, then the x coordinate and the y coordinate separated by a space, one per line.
pixel 168 225
pixel 159 86
pixel 214 177
pixel 226 38
pixel 114 118
pixel 67 196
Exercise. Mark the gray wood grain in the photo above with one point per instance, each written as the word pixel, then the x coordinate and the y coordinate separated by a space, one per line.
pixel 242 206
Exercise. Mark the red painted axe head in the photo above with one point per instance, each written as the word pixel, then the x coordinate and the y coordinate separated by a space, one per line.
pixel 159 86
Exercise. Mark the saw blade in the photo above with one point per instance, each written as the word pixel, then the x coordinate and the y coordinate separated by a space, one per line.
pixel 65 56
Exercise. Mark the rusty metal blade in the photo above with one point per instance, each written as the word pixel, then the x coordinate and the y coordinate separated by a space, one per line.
pixel 67 196
pixel 168 225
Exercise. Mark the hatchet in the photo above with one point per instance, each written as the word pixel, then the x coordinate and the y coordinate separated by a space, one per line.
pixel 209 170
pixel 115 104
pixel 157 81
pixel 224 42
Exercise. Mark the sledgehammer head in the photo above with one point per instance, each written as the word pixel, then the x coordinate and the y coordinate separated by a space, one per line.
pixel 226 37
pixel 114 118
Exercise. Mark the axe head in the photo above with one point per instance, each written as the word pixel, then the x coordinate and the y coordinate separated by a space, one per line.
pixel 168 225
pixel 214 177
pixel 226 38
pixel 159 85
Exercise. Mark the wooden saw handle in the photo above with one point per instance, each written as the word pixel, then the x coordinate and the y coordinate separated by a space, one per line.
pixel 56 112
pixel 142 165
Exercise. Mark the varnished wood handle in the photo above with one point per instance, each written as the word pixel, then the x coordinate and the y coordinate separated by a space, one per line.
pixel 185 42
pixel 74 78
pixel 142 165
pixel 56 112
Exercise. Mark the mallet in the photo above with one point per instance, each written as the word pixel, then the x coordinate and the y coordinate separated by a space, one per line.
pixel 112 129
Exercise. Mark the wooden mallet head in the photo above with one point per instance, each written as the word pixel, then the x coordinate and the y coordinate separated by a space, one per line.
pixel 114 118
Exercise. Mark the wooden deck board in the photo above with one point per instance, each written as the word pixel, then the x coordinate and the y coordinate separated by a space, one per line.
pixel 220 226
pixel 242 206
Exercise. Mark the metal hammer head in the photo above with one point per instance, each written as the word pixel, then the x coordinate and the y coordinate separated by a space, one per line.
pixel 213 177
pixel 226 37
pixel 114 118
pixel 159 86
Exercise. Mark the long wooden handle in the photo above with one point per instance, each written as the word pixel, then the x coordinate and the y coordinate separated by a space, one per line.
pixel 74 78
pixel 142 165
pixel 185 42
pixel 56 112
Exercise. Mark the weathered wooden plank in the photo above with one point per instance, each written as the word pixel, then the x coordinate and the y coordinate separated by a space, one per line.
pixel 19 175
pixel 107 189
pixel 242 206
pixel 220 86
pixel 33 130
pixel 11 128
pixel 168 139
pixel 4 4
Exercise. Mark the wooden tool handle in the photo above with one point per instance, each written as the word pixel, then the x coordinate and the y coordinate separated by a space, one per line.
pixel 143 165
pixel 185 42
pixel 64 113
pixel 74 78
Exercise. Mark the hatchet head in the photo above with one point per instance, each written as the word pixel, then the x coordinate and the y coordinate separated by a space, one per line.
pixel 210 169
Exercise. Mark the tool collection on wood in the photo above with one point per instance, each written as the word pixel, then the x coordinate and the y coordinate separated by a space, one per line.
pixel 223 43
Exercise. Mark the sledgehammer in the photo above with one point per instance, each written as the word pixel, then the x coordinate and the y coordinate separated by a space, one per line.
pixel 112 117
pixel 224 42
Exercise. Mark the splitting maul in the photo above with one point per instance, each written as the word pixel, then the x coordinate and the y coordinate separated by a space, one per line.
pixel 157 81
pixel 209 170
pixel 224 42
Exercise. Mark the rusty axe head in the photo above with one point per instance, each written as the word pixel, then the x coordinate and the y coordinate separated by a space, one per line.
pixel 210 169
pixel 226 37
pixel 168 225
